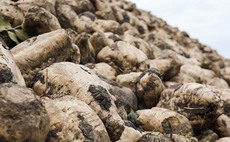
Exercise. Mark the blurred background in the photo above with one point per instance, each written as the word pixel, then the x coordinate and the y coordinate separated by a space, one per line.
pixel 206 20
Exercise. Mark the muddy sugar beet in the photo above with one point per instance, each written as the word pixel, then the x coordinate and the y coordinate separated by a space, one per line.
pixel 100 70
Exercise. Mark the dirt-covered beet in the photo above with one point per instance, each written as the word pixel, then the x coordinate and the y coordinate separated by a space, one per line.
pixel 148 87
pixel 202 106
pixel 22 115
pixel 39 20
pixel 37 52
pixel 8 69
pixel 58 80
pixel 121 58
pixel 71 119
pixel 164 121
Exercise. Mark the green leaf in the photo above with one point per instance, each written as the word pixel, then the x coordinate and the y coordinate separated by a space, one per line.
pixel 21 34
pixel 132 116
pixel 13 36
pixel 206 132
pixel 4 24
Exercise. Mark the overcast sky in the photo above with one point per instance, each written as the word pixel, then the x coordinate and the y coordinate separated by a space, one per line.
pixel 206 20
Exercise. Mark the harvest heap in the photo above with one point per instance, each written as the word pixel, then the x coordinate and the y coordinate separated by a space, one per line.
pixel 103 70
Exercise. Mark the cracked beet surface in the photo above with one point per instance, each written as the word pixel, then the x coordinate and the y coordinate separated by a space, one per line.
pixel 101 96
pixel 87 131
pixel 114 129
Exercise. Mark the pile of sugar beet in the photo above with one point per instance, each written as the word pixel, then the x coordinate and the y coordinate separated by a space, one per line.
pixel 104 70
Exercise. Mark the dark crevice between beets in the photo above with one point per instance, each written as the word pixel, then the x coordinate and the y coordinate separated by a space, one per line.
pixel 6 74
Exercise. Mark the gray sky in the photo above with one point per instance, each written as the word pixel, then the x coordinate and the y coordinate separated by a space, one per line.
pixel 206 20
